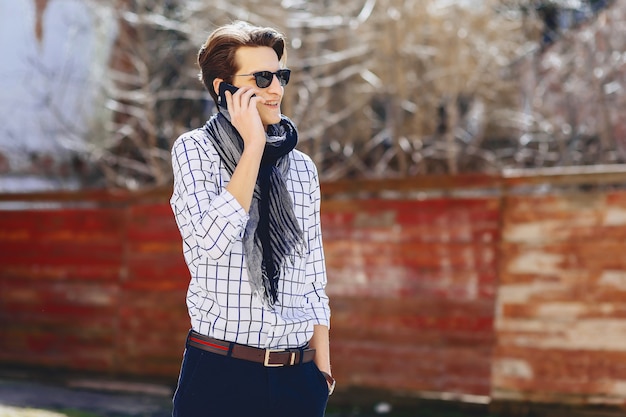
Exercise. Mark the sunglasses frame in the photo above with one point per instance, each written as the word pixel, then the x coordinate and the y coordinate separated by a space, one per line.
pixel 279 75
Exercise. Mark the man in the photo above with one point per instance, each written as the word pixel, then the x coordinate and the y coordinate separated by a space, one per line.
pixel 247 207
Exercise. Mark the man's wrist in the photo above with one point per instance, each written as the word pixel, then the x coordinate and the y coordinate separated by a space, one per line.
pixel 330 381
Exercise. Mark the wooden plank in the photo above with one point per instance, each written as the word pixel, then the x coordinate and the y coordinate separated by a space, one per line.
pixel 596 174
pixel 411 368
pixel 153 327
pixel 91 197
pixel 560 332
pixel 409 184
pixel 573 175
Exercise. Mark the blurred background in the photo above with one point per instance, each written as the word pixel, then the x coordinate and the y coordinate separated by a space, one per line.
pixel 472 163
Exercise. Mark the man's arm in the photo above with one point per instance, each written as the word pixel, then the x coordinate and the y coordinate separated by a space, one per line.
pixel 245 117
pixel 321 343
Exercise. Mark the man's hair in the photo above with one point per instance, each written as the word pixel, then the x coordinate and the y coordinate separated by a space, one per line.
pixel 216 58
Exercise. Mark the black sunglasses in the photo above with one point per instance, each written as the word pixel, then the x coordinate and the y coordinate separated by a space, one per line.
pixel 263 79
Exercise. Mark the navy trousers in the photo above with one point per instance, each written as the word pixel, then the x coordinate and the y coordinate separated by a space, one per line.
pixel 213 385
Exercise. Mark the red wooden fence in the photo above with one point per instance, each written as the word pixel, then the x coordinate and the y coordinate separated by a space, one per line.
pixel 435 287
pixel 98 289
pixel 412 285
pixel 561 328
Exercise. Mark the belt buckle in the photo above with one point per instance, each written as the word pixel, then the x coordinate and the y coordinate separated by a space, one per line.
pixel 266 362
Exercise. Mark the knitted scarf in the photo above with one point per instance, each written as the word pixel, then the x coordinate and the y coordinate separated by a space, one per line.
pixel 272 234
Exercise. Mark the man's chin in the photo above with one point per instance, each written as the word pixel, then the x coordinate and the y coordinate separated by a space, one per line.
pixel 272 120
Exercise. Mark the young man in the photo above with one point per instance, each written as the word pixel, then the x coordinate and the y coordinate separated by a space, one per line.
pixel 247 207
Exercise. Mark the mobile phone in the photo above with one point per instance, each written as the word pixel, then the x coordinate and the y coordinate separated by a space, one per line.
pixel 224 86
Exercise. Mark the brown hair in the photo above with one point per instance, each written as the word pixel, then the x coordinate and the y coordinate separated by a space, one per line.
pixel 216 58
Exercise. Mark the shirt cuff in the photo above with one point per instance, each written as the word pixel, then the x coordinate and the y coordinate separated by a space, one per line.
pixel 232 210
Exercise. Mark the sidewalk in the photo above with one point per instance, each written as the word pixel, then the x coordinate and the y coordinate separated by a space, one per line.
pixel 31 395
pixel 82 398
pixel 25 395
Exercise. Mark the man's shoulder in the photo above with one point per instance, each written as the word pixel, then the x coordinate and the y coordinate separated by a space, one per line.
pixel 195 137
pixel 300 156
pixel 193 134
pixel 303 164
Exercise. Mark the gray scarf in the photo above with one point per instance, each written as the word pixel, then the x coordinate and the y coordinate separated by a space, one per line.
pixel 272 234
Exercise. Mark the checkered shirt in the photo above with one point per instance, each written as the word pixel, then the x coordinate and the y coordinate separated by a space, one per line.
pixel 211 222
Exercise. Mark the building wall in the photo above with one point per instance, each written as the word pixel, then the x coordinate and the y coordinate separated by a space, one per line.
pixel 50 87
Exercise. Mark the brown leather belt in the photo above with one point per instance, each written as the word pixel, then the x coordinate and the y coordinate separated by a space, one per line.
pixel 268 357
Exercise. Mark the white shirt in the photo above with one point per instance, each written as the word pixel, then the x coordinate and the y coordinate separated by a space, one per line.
pixel 211 222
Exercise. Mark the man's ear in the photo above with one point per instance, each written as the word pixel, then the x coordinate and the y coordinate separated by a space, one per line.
pixel 216 85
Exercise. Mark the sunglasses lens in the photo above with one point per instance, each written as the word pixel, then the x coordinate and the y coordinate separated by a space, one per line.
pixel 283 76
pixel 263 79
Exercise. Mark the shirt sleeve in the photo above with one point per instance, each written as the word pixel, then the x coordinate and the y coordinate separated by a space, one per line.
pixel 315 293
pixel 204 210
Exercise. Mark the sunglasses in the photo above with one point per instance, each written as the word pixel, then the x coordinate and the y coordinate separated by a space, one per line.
pixel 263 79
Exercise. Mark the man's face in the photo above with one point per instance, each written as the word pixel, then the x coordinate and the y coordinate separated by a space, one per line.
pixel 262 58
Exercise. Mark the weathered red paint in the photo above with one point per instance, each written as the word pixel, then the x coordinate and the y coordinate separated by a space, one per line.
pixel 119 269
pixel 561 335
pixel 461 295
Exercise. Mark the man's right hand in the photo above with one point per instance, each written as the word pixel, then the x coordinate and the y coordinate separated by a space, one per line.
pixel 242 107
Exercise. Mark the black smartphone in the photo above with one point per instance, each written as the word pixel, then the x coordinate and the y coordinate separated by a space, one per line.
pixel 222 90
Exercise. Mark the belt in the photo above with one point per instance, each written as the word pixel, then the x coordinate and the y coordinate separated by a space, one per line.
pixel 268 357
